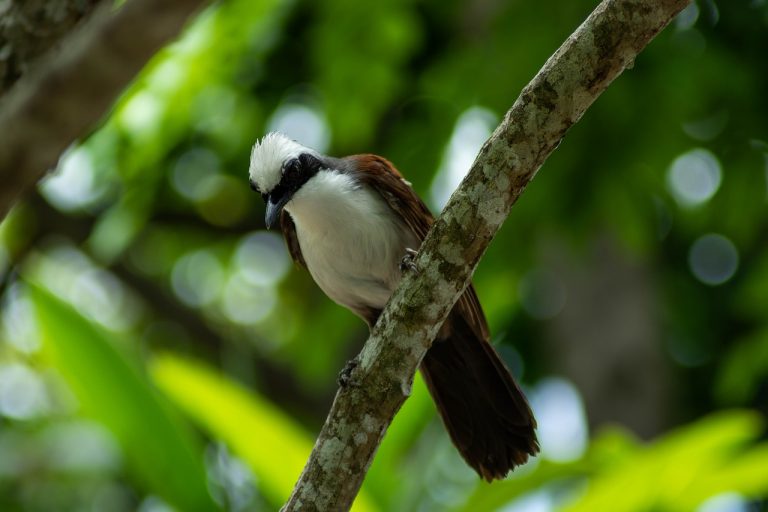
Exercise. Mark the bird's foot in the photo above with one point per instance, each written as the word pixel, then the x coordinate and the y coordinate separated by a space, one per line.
pixel 409 261
pixel 346 378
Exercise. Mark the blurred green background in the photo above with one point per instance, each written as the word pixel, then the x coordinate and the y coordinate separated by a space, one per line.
pixel 159 351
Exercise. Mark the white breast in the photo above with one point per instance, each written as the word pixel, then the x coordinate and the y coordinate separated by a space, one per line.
pixel 349 239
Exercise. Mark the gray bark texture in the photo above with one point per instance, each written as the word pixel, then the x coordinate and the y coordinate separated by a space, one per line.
pixel 579 71
pixel 70 88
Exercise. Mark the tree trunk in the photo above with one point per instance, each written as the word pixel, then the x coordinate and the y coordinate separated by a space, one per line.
pixel 71 87
pixel 29 28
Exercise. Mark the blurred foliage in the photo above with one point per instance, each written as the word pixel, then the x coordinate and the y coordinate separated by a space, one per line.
pixel 677 472
pixel 160 452
pixel 159 350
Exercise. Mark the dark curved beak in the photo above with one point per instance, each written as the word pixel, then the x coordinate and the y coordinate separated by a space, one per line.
pixel 274 207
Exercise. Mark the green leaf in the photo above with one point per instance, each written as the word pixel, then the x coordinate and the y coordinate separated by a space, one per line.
pixel 611 447
pixel 272 444
pixel 683 468
pixel 162 453
pixel 677 472
pixel 494 496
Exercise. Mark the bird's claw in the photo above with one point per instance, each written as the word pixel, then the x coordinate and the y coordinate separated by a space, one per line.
pixel 409 260
pixel 345 375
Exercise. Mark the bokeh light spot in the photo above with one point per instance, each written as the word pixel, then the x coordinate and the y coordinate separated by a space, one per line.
pixel 167 76
pixel 540 501
pixel 103 297
pixel 141 114
pixel 194 174
pixel 22 392
pixel 261 259
pixel 230 476
pixel 95 292
pixel 19 324
pixel 713 259
pixel 197 278
pixel 301 123
pixel 542 294
pixel 687 351
pixel 687 17
pixel 80 446
pixel 72 186
pixel 725 502
pixel 707 128
pixel 694 177
pixel 562 422
pixel 154 504
pixel 246 304
pixel 472 129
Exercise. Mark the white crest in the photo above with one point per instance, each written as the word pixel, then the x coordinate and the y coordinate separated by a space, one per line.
pixel 267 157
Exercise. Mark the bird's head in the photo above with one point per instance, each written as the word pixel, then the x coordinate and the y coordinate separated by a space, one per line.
pixel 279 168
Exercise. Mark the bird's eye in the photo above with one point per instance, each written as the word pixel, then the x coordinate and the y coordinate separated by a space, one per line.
pixel 308 161
pixel 264 196
pixel 253 186
pixel 292 168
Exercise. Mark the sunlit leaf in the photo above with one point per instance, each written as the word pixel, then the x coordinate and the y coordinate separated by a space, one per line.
pixel 272 444
pixel 612 446
pixel 677 472
pixel 670 473
pixel 162 453
pixel 746 472
pixel 496 495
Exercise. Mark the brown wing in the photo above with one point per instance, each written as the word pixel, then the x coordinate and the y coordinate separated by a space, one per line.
pixel 291 240
pixel 383 177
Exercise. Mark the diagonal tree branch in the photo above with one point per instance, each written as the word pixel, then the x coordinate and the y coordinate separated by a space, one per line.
pixel 589 60
pixel 69 90
pixel 29 28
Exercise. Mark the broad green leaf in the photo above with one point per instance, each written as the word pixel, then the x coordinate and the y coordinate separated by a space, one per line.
pixel 746 473
pixel 675 473
pixel 611 447
pixel 494 496
pixel 162 454
pixel 268 440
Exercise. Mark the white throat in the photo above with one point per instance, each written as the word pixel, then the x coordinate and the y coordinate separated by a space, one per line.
pixel 350 238
pixel 329 200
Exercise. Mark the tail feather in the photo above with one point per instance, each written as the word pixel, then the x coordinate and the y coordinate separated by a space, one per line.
pixel 483 408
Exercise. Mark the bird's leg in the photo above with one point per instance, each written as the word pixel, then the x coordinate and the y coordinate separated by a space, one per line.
pixel 345 375
pixel 409 261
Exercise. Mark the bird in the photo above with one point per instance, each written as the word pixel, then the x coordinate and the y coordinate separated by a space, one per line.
pixel 350 221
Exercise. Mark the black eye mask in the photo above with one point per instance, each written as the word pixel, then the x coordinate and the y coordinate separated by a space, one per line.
pixel 295 173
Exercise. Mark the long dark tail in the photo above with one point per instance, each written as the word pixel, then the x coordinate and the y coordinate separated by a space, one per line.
pixel 483 408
